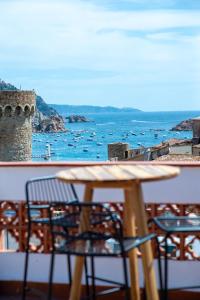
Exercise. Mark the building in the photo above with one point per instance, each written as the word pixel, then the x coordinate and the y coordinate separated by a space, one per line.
pixel 16 111
pixel 196 130
pixel 169 150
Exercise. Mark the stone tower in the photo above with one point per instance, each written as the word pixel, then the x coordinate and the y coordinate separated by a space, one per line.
pixel 196 130
pixel 16 111
pixel 117 151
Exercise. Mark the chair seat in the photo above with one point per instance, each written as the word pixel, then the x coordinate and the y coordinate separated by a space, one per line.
pixel 178 224
pixel 69 219
pixel 101 247
pixel 64 220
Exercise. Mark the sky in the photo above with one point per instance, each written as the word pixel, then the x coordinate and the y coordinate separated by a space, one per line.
pixel 125 53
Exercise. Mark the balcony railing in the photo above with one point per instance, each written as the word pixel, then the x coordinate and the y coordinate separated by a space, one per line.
pixel 13 229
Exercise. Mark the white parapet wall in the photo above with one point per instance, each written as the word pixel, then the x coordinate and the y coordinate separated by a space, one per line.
pixel 185 188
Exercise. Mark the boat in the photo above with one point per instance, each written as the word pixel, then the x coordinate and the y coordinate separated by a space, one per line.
pixel 99 144
pixel 93 134
pixel 85 150
pixel 70 145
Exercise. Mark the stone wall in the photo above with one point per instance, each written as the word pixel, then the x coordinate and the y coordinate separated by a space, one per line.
pixel 157 152
pixel 117 150
pixel 196 150
pixel 16 111
pixel 196 131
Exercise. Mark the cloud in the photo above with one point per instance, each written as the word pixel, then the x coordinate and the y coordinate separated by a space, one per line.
pixel 79 44
pixel 54 32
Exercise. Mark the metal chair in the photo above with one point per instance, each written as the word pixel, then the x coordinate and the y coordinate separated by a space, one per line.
pixel 49 191
pixel 171 224
pixel 101 236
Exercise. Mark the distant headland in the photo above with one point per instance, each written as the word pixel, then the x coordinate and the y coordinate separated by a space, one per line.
pixel 185 125
pixel 83 109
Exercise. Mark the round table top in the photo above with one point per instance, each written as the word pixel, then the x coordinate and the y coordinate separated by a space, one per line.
pixel 117 173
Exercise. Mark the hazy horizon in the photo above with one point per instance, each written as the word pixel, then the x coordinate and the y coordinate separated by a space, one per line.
pixel 124 107
pixel 131 53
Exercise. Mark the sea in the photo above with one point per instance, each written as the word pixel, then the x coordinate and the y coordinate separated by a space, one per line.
pixel 88 141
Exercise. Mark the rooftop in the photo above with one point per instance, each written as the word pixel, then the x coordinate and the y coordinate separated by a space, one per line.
pixel 196 119
pixel 178 157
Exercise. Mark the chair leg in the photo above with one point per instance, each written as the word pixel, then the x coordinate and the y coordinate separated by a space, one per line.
pixel 51 275
pixel 69 269
pixel 24 287
pixel 160 274
pixel 86 278
pixel 93 278
pixel 145 292
pixel 127 294
pixel 166 270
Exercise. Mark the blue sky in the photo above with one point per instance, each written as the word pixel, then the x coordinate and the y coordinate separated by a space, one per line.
pixel 135 53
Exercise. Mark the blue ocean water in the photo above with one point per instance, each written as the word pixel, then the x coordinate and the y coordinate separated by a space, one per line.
pixel 88 141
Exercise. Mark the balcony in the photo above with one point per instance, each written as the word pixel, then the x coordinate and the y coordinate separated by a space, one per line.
pixel 179 196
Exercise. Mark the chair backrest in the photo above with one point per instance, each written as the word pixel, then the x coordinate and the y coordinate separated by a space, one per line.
pixel 50 190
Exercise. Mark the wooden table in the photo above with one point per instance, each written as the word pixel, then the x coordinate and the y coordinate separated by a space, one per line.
pixel 128 178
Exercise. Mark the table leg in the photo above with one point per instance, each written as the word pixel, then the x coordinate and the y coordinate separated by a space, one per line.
pixel 1 241
pixel 130 230
pixel 146 249
pixel 75 292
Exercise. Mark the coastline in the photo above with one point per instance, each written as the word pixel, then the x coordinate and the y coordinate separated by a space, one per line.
pixel 109 128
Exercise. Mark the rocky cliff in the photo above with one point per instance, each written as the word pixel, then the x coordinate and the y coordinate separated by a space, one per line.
pixel 77 119
pixel 185 125
pixel 43 123
pixel 46 118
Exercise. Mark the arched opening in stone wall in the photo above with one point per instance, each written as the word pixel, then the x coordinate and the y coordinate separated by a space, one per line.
pixel 27 110
pixel 1 112
pixel 18 110
pixel 8 111
pixel 32 110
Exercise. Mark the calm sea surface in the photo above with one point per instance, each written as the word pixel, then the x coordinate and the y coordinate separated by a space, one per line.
pixel 88 141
